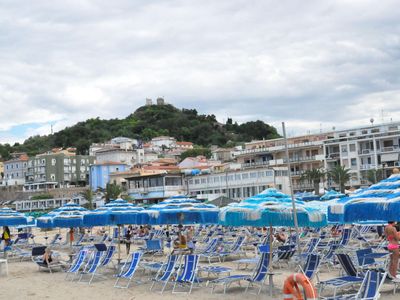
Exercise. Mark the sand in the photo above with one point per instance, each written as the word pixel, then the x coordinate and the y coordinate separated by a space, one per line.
pixel 25 281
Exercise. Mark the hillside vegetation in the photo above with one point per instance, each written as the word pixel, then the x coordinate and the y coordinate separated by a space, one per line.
pixel 145 123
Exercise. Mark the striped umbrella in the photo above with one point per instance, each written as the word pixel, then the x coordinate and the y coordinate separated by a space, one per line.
pixel 9 217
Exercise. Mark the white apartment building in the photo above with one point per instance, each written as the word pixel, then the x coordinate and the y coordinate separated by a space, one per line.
pixel 364 148
pixel 15 170
pixel 305 152
pixel 125 156
pixel 238 184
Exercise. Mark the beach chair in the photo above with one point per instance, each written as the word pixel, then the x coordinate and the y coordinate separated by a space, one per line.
pixel 128 270
pixel 352 276
pixel 92 265
pixel 236 248
pixel 329 256
pixel 165 273
pixel 210 251
pixel 258 277
pixel 187 274
pixel 369 289
pixel 368 259
pixel 284 254
pixel 76 264
pixel 310 248
pixel 345 239
pixel 311 266
pixel 37 257
pixel 153 247
pixel 55 240
pixel 107 258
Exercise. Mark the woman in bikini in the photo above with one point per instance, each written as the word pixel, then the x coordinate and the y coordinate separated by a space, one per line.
pixel 393 246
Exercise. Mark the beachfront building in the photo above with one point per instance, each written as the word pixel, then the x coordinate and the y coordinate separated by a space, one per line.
pixel 100 173
pixel 58 168
pixel 150 187
pixel 160 143
pixel 45 204
pixel 15 170
pixel 237 184
pixel 361 149
pixel 305 153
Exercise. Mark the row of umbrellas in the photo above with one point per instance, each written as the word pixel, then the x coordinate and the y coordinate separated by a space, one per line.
pixel 378 203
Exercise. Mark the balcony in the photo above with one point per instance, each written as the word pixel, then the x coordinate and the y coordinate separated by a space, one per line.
pixel 255 164
pixel 368 167
pixel 365 151
pixel 333 156
pixel 394 148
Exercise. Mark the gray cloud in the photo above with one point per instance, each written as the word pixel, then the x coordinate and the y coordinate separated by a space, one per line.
pixel 313 64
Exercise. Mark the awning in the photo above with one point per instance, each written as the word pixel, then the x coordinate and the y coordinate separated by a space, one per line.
pixel 390 157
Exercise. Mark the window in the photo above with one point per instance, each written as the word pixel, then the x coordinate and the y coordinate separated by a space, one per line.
pixel 352 147
pixel 344 148
pixel 197 181
pixel 216 179
pixel 238 177
pixel 253 175
pixel 53 162
pixel 354 161
pixel 245 175
pixel 203 180
pixel 269 173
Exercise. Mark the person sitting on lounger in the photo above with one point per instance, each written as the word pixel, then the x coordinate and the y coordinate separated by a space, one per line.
pixel 180 243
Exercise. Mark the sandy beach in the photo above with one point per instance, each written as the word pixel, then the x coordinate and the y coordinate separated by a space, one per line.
pixel 25 281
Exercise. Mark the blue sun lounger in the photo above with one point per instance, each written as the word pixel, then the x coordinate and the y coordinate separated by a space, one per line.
pixel 91 267
pixel 77 264
pixel 187 274
pixel 128 270
pixel 165 273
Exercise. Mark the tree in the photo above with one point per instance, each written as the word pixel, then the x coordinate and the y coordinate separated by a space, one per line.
pixel 340 175
pixel 196 152
pixel 88 195
pixel 313 176
pixel 373 176
pixel 112 191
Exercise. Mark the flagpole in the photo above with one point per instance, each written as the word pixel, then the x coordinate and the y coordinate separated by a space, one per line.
pixel 296 223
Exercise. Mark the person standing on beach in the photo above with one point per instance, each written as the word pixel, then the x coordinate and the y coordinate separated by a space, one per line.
pixel 6 236
pixel 393 246
pixel 128 236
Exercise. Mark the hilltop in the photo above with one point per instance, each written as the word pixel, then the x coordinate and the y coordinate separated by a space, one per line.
pixel 145 123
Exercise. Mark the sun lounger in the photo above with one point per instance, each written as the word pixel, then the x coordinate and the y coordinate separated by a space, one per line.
pixel 128 270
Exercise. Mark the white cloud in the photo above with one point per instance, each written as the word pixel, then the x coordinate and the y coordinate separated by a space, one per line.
pixel 306 63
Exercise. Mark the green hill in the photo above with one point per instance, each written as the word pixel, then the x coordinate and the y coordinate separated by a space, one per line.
pixel 145 123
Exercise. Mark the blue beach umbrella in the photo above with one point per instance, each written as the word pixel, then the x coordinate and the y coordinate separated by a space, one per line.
pixel 9 217
pixel 266 210
pixel 380 202
pixel 330 195
pixel 68 215
pixel 179 210
pixel 307 196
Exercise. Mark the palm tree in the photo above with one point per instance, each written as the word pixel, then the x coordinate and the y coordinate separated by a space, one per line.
pixel 313 176
pixel 112 191
pixel 88 195
pixel 340 175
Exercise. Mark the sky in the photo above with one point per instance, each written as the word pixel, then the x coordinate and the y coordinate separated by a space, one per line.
pixel 312 64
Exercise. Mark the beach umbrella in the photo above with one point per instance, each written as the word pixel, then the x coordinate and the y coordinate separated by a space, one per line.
pixel 116 212
pixel 9 217
pixel 270 208
pixel 332 194
pixel 378 203
pixel 306 196
pixel 179 210
pixel 68 215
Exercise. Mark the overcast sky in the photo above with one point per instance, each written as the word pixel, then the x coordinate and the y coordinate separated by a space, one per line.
pixel 314 64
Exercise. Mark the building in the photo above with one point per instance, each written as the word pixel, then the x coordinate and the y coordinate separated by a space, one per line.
pixel 46 204
pixel 58 168
pixel 374 147
pixel 305 153
pixel 163 142
pixel 237 184
pixel 184 146
pixel 223 154
pixel 100 173
pixel 129 157
pixel 115 143
pixel 149 188
pixel 15 169
pixel 1 172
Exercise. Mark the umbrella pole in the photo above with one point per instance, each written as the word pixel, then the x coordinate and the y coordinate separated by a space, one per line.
pixel 296 223
pixel 271 283
pixel 119 246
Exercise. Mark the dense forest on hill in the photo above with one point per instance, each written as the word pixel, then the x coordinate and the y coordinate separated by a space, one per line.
pixel 145 123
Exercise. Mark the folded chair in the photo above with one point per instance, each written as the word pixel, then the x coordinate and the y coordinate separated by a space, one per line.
pixel 92 265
